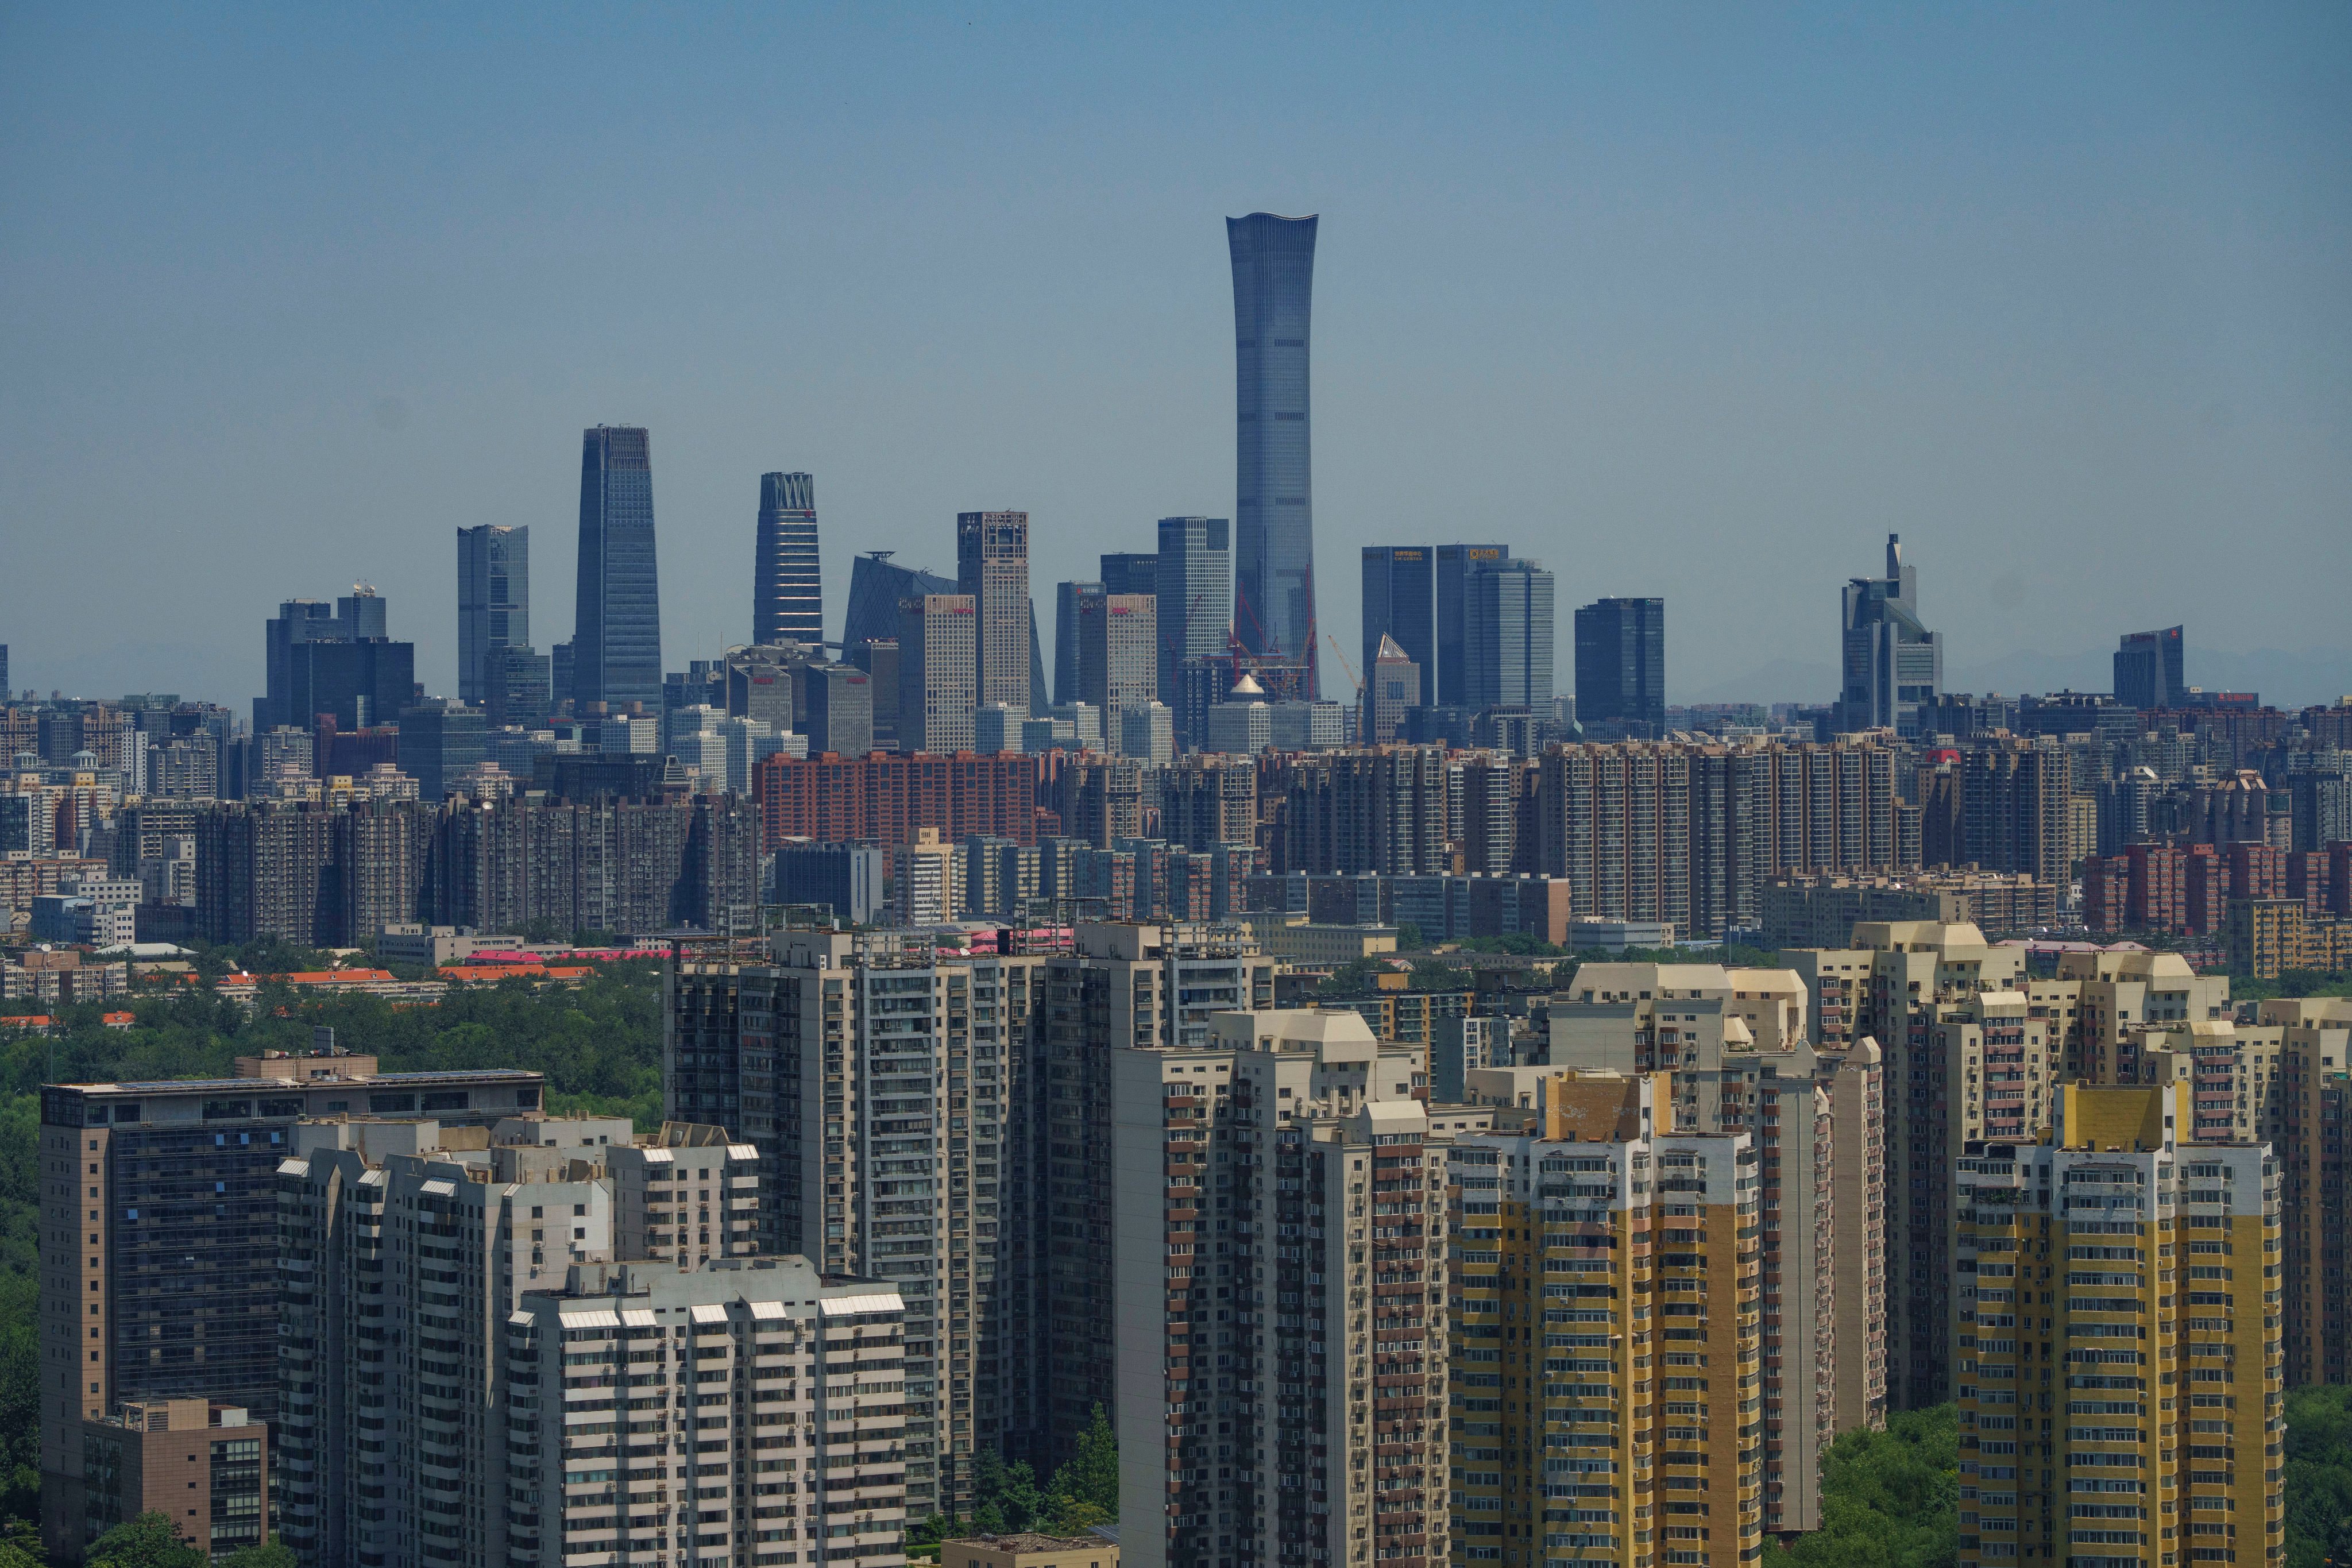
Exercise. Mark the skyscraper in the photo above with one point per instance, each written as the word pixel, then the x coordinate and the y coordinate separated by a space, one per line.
pixel 1068 597
pixel 616 624
pixel 1196 599
pixel 493 603
pixel 1274 286
pixel 1621 667
pixel 1401 603
pixel 344 664
pixel 1445 685
pixel 2148 670
pixel 936 678
pixel 1507 636
pixel 787 593
pixel 1893 665
pixel 1117 666
pixel 993 567
pixel 1131 571
pixel 875 586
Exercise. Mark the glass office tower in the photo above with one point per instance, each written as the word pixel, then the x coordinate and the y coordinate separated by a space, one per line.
pixel 1274 286
pixel 493 602
pixel 787 591
pixel 616 626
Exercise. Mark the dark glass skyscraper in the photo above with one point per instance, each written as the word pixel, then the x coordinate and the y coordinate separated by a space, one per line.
pixel 616 624
pixel 1507 637
pixel 1892 665
pixel 876 583
pixel 1274 288
pixel 1399 603
pixel 1455 562
pixel 1195 590
pixel 787 591
pixel 493 603
pixel 1621 668
pixel 2148 670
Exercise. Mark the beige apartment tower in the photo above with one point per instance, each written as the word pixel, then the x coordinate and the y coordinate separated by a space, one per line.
pixel 1607 1348
pixel 2118 1371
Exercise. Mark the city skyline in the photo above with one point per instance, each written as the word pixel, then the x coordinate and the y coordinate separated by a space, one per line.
pixel 2012 380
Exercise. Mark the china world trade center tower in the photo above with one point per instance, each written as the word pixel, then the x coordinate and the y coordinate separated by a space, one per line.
pixel 1273 527
pixel 616 626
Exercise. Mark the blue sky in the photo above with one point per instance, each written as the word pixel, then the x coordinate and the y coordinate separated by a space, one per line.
pixel 1690 301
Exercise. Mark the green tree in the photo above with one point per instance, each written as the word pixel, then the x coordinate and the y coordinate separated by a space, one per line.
pixel 147 1542
pixel 272 1553
pixel 2318 1477
pixel 1085 1491
pixel 1886 1497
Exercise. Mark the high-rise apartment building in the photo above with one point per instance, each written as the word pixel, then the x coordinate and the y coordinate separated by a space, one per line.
pixel 616 624
pixel 939 674
pixel 1119 654
pixel 889 1092
pixel 2315 1060
pixel 1446 684
pixel 1278 1192
pixel 2119 1363
pixel 1607 1282
pixel 780 1432
pixel 1400 605
pixel 160 1278
pixel 787 587
pixel 2148 669
pixel 1273 566
pixel 393 1233
pixel 1067 599
pixel 1507 636
pixel 992 569
pixel 1621 668
pixel 1731 1046
pixel 1194 589
pixel 493 604
pixel 1892 664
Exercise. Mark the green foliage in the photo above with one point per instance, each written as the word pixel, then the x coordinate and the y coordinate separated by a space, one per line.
pixel 1085 1491
pixel 1082 1493
pixel 147 1542
pixel 1409 937
pixel 2318 1477
pixel 2292 982
pixel 269 1554
pixel 1886 1497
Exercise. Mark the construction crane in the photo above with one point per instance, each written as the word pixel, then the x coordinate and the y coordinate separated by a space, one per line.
pixel 1363 722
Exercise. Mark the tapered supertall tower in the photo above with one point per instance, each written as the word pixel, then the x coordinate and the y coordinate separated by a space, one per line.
pixel 1274 288
pixel 788 591
pixel 616 624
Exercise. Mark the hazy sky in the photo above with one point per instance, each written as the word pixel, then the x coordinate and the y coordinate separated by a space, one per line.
pixel 1693 301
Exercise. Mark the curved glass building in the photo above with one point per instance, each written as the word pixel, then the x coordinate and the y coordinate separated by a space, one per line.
pixel 1274 567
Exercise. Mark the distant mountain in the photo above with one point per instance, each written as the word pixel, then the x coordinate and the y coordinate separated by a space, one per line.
pixel 2283 679
pixel 1781 681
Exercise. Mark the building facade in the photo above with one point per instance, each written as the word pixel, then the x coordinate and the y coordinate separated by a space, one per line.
pixel 493 604
pixel 992 570
pixel 1274 539
pixel 787 584
pixel 616 624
